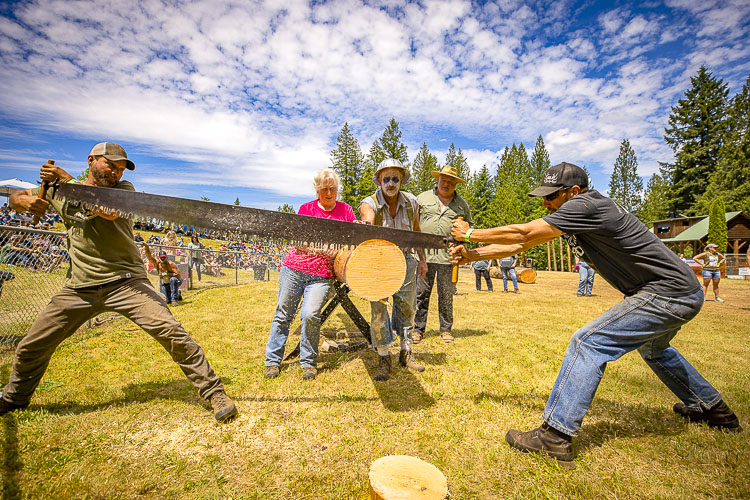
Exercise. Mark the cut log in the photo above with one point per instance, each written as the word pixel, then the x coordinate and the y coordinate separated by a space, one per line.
pixel 374 270
pixel 406 478
pixel 526 275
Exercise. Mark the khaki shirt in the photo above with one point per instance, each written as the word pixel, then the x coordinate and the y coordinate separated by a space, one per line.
pixel 433 220
pixel 101 251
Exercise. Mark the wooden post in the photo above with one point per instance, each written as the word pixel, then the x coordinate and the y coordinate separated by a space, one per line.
pixel 549 264
pixel 562 261
pixel 554 256
pixel 374 270
pixel 570 264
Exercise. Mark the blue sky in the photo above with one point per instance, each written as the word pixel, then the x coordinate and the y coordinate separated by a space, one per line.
pixel 245 99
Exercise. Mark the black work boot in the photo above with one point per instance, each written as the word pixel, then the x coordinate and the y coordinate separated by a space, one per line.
pixel 720 416
pixel 384 368
pixel 7 407
pixel 406 358
pixel 544 440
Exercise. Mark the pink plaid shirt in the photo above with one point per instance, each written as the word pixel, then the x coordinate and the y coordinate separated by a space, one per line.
pixel 318 265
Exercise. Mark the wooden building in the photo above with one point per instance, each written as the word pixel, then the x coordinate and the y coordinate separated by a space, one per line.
pixel 682 232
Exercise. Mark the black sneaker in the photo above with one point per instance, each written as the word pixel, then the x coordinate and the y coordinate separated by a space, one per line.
pixel 720 416
pixel 6 407
pixel 543 440
pixel 224 407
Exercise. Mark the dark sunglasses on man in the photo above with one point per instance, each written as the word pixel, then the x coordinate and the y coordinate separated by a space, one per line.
pixel 394 180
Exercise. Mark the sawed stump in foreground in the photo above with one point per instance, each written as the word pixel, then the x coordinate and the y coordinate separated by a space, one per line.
pixel 406 478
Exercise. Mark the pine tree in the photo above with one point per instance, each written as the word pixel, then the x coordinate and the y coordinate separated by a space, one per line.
pixel 539 161
pixel 625 186
pixel 731 179
pixel 696 129
pixel 286 208
pixel 237 201
pixel 84 175
pixel 656 200
pixel 424 164
pixel 480 195
pixel 348 162
pixel 717 225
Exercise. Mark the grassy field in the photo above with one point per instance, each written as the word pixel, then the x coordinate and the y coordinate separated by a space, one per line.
pixel 125 423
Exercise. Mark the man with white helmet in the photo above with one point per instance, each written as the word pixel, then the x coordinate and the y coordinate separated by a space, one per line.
pixel 391 207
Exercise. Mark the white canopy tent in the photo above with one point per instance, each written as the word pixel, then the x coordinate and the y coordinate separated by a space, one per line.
pixel 9 185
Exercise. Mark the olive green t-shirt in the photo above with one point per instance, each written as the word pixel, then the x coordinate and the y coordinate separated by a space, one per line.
pixel 101 251
pixel 436 221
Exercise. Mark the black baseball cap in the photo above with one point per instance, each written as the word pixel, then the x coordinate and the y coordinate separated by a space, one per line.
pixel 561 176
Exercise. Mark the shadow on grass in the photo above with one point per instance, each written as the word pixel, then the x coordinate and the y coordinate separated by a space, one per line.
pixel 464 332
pixel 11 458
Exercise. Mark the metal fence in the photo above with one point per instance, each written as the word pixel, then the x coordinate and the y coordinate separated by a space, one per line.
pixel 33 265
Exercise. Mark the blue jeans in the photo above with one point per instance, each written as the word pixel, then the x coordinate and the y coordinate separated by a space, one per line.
pixel 512 273
pixel 292 286
pixel 171 290
pixel 382 328
pixel 196 264
pixel 644 321
pixel 585 278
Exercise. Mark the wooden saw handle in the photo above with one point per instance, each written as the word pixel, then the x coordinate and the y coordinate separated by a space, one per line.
pixel 42 193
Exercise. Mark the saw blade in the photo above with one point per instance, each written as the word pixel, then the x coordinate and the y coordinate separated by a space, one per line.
pixel 295 229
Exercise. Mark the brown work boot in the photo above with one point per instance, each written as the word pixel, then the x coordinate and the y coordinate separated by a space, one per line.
pixel 544 440
pixel 447 337
pixel 224 408
pixel 272 371
pixel 416 337
pixel 720 416
pixel 384 368
pixel 406 358
pixel 7 407
pixel 309 372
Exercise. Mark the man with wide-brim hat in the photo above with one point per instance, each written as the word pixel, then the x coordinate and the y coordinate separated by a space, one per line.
pixel 661 295
pixel 438 208
pixel 391 207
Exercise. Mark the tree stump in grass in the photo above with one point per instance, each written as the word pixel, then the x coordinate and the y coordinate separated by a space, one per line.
pixel 526 275
pixel 374 270
pixel 406 478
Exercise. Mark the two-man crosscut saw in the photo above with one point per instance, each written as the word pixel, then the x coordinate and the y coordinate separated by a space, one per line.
pixel 233 219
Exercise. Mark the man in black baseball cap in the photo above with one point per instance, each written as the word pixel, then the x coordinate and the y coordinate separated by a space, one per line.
pixel 661 295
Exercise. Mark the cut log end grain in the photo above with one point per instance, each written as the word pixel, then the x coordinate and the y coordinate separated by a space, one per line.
pixel 374 270
pixel 406 478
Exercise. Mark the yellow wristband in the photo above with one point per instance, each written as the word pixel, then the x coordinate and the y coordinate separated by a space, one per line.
pixel 468 234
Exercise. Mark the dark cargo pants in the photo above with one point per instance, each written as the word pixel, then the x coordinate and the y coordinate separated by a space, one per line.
pixel 70 308
pixel 441 273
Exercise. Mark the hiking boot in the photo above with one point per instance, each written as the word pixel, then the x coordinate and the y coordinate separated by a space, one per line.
pixel 416 337
pixel 720 416
pixel 447 337
pixel 406 358
pixel 544 440
pixel 7 407
pixel 719 299
pixel 384 368
pixel 224 408
pixel 309 373
pixel 272 371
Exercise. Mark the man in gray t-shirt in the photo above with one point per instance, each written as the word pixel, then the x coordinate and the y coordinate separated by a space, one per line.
pixel 661 295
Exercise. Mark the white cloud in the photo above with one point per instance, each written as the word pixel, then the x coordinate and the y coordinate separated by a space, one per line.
pixel 254 93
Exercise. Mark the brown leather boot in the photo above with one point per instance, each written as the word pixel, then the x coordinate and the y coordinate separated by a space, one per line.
pixel 720 416
pixel 406 358
pixel 543 440
pixel 384 368
pixel 224 408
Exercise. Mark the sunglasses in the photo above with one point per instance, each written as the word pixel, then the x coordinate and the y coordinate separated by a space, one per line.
pixel 393 180
pixel 554 195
